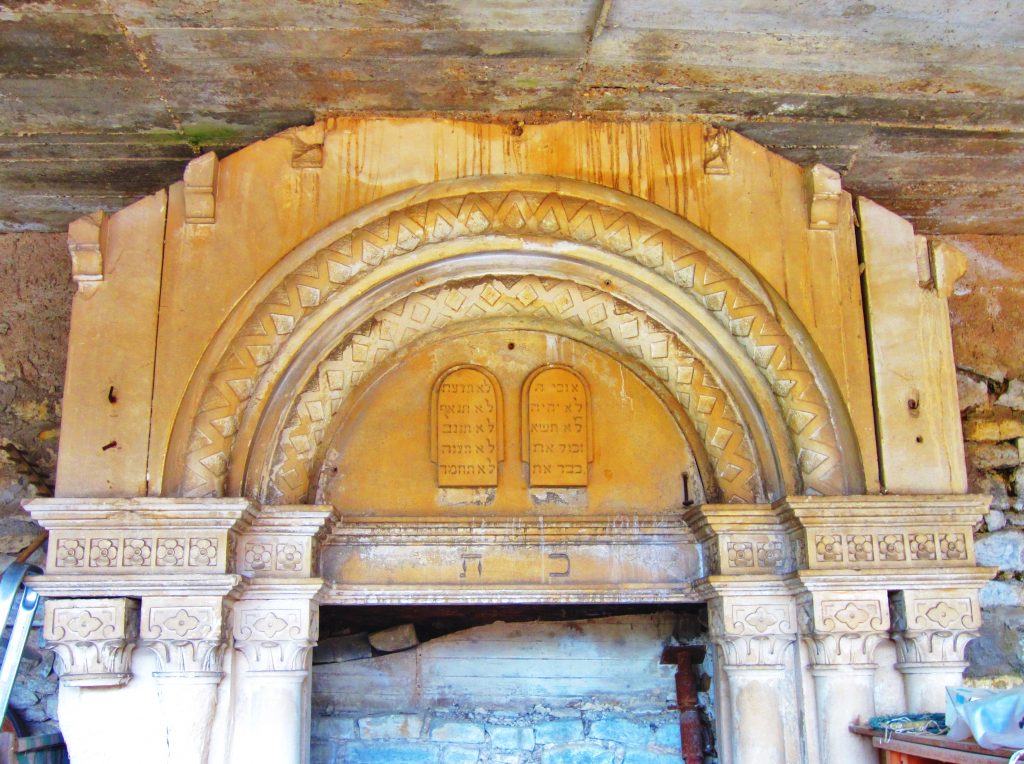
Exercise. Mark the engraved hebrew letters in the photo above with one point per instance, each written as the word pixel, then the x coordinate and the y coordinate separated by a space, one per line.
pixel 467 437
pixel 556 427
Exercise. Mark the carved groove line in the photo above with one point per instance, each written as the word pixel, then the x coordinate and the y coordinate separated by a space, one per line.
pixel 549 215
pixel 626 328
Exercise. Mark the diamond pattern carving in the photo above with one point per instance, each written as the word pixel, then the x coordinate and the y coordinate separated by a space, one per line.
pixel 519 213
pixel 705 402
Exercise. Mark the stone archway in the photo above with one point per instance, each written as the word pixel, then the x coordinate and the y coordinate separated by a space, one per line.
pixel 185 522
pixel 689 272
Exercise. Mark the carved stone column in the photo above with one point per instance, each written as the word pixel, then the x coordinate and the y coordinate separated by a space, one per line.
pixel 275 626
pixel 275 629
pixel 98 700
pixel 187 635
pixel 176 555
pixel 853 550
pixel 931 628
pixel 754 632
pixel 841 624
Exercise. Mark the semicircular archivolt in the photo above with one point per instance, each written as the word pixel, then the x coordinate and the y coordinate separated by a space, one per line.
pixel 613 225
pixel 293 465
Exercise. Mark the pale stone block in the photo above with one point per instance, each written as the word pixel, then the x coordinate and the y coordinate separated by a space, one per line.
pixel 457 732
pixel 1002 594
pixel 394 639
pixel 562 731
pixel 460 755
pixel 516 738
pixel 1013 398
pixel 390 726
pixel 621 730
pixel 973 392
pixel 1004 550
pixel 586 753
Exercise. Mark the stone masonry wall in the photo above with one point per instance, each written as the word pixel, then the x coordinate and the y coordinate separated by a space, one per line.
pixel 587 691
pixel 987 313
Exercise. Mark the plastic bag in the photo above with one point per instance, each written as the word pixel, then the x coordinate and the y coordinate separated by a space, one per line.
pixel 994 717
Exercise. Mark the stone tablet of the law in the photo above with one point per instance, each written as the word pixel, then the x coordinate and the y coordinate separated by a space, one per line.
pixel 467 429
pixel 557 442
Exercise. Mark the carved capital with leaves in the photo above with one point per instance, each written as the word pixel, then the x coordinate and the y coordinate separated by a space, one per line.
pixel 186 633
pixel 93 639
pixel 932 627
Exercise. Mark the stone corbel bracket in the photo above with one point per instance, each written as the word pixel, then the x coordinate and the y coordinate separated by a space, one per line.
pixel 93 639
pixel 85 246
pixel 307 146
pixel 717 143
pixel 201 189
pixel 742 539
pixel 939 266
pixel 883 532
pixel 140 546
pixel 825 188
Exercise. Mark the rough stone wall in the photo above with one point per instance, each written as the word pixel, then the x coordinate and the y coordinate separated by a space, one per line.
pixel 987 313
pixel 35 304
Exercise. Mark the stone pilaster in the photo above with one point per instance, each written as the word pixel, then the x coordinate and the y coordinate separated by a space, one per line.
pixel 842 623
pixel 754 625
pixel 275 627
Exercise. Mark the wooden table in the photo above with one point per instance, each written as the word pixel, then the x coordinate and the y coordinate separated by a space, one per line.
pixel 921 748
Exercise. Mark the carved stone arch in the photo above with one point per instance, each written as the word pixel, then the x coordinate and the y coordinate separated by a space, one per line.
pixel 300 424
pixel 581 223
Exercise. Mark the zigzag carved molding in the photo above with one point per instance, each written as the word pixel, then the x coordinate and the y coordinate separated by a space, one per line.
pixel 555 216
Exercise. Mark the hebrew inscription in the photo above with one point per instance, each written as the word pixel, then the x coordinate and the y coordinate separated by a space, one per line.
pixel 556 417
pixel 467 428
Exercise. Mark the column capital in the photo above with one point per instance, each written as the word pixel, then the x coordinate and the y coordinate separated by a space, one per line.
pixel 187 635
pixel 753 630
pixel 841 625
pixel 275 624
pixel 933 626
pixel 93 639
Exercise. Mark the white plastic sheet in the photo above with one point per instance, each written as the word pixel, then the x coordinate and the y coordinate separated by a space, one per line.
pixel 995 718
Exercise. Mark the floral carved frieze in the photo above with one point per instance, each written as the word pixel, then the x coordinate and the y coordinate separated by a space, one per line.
pixel 879 532
pixel 742 539
pixel 93 639
pixel 142 536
